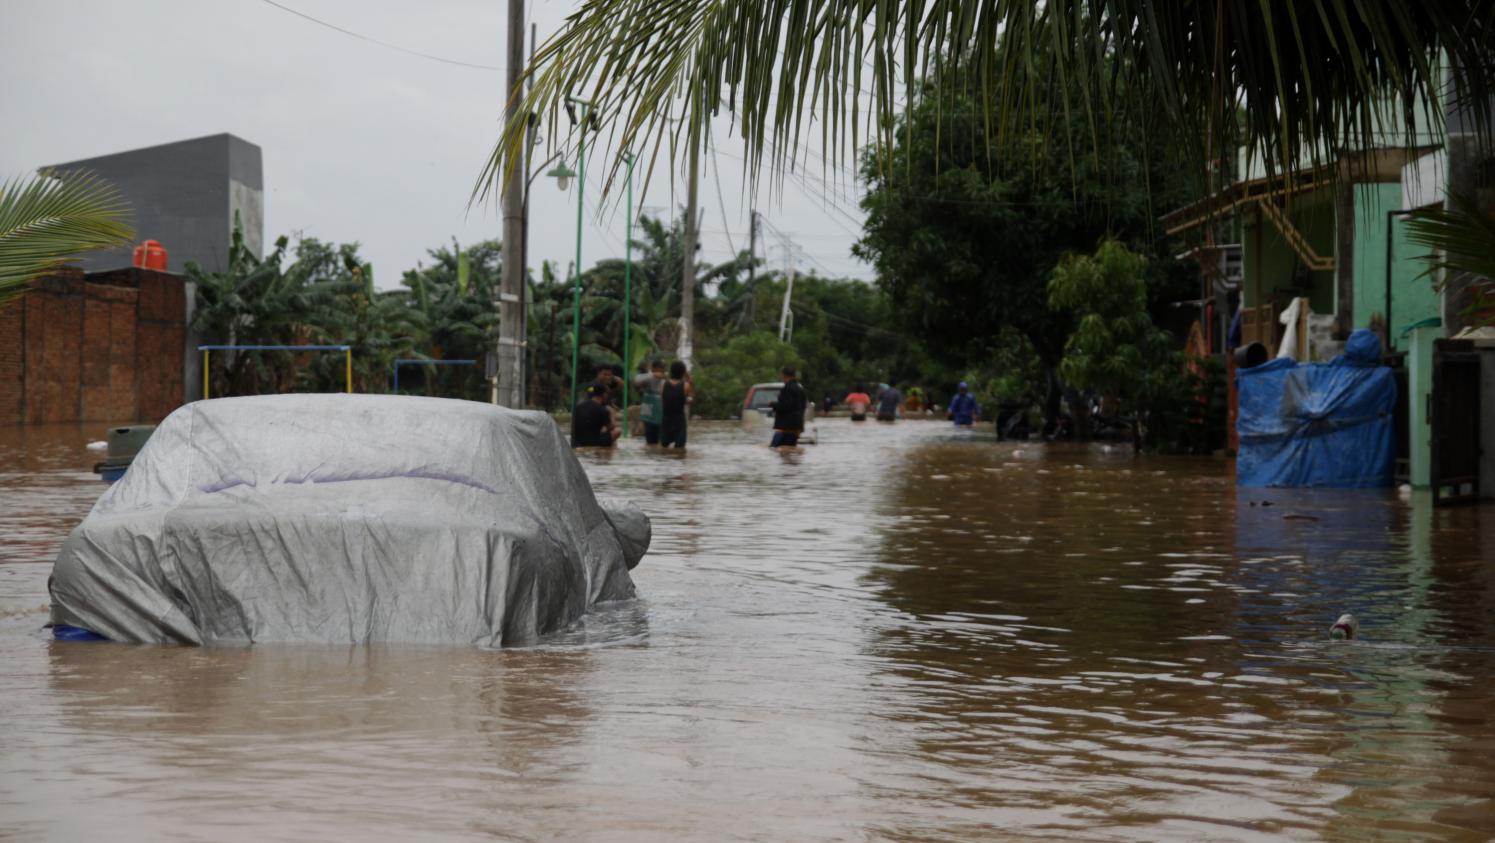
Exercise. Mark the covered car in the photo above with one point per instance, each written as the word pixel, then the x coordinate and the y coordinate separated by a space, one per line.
pixel 347 519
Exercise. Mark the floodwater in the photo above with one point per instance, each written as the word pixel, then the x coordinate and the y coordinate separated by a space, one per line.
pixel 901 633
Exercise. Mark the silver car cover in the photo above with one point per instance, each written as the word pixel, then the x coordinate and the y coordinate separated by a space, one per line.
pixel 347 519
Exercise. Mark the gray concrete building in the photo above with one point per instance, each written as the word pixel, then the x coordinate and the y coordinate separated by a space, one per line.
pixel 185 195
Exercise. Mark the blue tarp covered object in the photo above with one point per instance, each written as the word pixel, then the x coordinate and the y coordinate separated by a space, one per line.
pixel 1319 424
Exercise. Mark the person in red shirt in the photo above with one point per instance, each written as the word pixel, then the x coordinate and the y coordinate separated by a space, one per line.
pixel 858 402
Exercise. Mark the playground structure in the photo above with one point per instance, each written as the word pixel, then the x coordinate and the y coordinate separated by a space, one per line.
pixel 347 351
pixel 414 361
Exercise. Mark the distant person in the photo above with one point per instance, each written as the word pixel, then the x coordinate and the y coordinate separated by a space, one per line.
pixel 789 411
pixel 649 385
pixel 963 407
pixel 827 403
pixel 609 381
pixel 675 397
pixel 858 402
pixel 592 424
pixel 888 403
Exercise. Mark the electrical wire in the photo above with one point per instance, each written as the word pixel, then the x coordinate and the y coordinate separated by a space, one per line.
pixel 384 44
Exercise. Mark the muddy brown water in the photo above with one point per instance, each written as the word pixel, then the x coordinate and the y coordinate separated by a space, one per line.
pixel 901 633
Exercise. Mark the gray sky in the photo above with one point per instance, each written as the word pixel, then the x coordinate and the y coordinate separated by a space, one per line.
pixel 361 142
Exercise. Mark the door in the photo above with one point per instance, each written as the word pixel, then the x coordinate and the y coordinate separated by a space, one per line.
pixel 1455 423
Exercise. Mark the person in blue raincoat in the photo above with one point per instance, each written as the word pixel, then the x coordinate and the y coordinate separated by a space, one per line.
pixel 963 407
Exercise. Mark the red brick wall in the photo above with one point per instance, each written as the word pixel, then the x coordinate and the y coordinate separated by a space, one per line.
pixel 105 348
pixel 12 360
pixel 160 333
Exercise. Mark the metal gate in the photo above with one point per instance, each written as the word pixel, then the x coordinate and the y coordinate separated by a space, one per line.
pixel 1455 422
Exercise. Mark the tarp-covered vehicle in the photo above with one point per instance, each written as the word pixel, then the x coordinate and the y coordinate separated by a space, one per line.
pixel 347 519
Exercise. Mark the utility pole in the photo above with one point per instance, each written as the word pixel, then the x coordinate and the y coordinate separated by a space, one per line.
pixel 508 380
pixel 786 318
pixel 752 247
pixel 688 262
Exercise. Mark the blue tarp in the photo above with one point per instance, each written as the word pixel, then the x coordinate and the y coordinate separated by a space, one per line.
pixel 1319 424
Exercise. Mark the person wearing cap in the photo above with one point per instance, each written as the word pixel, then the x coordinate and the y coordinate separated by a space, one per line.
pixel 592 424
pixel 963 407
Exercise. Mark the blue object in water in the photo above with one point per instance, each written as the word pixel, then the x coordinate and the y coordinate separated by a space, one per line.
pixel 63 632
pixel 1320 424
pixel 112 475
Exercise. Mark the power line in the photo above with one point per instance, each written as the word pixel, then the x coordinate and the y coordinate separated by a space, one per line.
pixel 384 44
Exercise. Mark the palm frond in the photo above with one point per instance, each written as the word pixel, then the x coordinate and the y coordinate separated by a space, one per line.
pixel 46 220
pixel 1313 79
pixel 1461 237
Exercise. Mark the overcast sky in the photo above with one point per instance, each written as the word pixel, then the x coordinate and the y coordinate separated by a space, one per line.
pixel 361 142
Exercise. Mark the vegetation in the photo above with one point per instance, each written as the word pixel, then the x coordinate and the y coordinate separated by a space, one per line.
pixel 1461 238
pixel 964 238
pixel 1134 370
pixel 48 219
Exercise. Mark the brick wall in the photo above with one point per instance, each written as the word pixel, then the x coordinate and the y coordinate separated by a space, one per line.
pixel 104 347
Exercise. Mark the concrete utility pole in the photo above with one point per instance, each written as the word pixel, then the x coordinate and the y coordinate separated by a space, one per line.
pixel 786 317
pixel 688 262
pixel 508 383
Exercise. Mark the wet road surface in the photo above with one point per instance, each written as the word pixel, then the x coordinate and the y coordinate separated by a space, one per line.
pixel 902 633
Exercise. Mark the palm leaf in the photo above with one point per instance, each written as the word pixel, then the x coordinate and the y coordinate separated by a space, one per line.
pixel 1461 236
pixel 1315 79
pixel 46 220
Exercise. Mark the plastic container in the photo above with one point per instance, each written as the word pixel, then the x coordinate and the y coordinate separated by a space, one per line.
pixel 151 255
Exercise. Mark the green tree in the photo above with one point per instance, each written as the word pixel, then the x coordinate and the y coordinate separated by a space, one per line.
pixel 46 220
pixel 453 299
pixel 964 234
pixel 1117 353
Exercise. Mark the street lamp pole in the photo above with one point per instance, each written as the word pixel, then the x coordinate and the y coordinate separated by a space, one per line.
pixel 628 295
pixel 581 188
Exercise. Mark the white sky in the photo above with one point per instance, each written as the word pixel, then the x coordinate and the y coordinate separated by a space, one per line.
pixel 360 142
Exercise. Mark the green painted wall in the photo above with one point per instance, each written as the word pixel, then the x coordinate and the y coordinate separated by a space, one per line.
pixel 1412 298
pixel 1312 215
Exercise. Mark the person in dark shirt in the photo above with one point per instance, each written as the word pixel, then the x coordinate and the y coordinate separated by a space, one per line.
pixel 591 422
pixel 675 396
pixel 789 412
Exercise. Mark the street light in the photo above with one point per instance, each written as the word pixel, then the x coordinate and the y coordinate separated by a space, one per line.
pixel 563 176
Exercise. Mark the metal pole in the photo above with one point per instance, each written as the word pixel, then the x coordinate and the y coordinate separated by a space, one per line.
pixel 581 187
pixel 628 295
pixel 205 354
pixel 688 261
pixel 348 362
pixel 511 284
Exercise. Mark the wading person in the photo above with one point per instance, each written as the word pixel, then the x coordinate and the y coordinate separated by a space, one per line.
pixel 887 404
pixel 651 413
pixel 788 412
pixel 592 423
pixel 858 402
pixel 963 407
pixel 675 398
